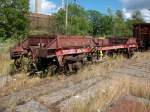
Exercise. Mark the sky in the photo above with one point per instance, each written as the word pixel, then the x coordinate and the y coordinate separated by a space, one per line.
pixel 127 6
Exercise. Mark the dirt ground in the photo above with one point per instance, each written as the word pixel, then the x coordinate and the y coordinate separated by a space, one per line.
pixel 94 89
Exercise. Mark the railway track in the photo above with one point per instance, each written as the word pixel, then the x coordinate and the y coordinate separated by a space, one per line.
pixel 55 88
pixel 51 95
pixel 141 70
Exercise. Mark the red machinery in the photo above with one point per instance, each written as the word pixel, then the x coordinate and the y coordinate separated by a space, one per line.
pixel 66 52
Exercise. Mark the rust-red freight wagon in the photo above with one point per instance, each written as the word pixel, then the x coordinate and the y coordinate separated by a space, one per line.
pixel 119 43
pixel 52 50
pixel 65 52
pixel 51 46
pixel 142 32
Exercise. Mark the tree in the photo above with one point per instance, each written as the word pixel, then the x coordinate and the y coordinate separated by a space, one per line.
pixel 108 23
pixel 137 17
pixel 57 23
pixel 78 20
pixel 92 22
pixel 13 17
pixel 78 23
pixel 129 24
pixel 96 19
pixel 119 14
pixel 119 25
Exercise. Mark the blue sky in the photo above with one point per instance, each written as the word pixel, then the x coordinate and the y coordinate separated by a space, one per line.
pixel 100 5
pixel 127 6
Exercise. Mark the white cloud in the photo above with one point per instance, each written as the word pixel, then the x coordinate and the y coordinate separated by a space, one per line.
pixel 132 5
pixel 47 7
pixel 146 15
pixel 136 4
pixel 144 12
pixel 126 13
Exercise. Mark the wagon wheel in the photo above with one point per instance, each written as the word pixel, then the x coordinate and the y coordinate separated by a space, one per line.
pixel 51 70
pixel 18 64
pixel 31 65
pixel 32 68
pixel 96 53
pixel 66 69
pixel 26 64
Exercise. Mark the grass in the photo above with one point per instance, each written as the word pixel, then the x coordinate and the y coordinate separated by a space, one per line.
pixel 104 96
pixel 101 68
pixel 98 102
pixel 100 99
pixel 141 90
pixel 19 83
pixel 6 68
pixel 38 32
pixel 89 71
pixel 140 57
pixel 5 44
pixel 5 65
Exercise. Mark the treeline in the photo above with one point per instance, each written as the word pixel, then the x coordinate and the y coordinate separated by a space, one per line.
pixel 14 21
pixel 92 22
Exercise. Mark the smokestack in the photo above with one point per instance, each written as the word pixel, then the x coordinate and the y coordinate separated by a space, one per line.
pixel 37 6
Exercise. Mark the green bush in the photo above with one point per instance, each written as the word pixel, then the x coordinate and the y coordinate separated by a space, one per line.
pixel 13 18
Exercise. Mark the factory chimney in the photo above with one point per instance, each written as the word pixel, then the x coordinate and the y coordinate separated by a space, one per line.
pixel 37 6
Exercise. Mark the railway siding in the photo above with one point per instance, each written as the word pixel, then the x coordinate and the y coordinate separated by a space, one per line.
pixel 59 96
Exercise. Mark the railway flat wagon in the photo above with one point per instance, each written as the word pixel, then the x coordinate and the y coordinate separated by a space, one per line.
pixel 47 52
pixel 117 43
pixel 65 53
pixel 142 32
